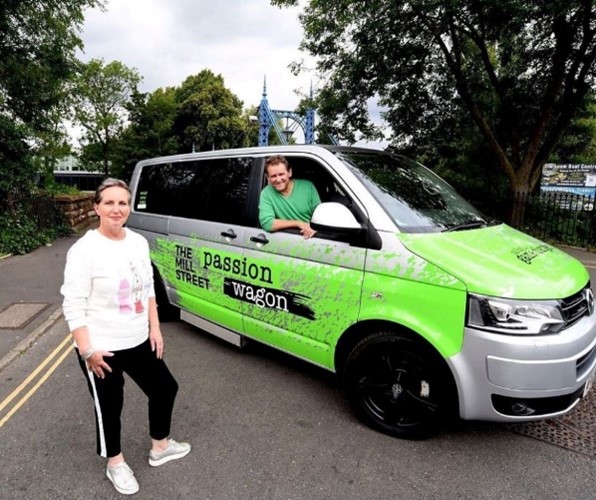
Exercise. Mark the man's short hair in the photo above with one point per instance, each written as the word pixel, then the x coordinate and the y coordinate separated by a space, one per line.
pixel 274 160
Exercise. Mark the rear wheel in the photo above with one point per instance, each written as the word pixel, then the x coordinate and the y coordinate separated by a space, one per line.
pixel 165 310
pixel 398 385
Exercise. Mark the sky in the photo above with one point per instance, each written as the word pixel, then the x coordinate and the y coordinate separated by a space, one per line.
pixel 166 41
pixel 244 41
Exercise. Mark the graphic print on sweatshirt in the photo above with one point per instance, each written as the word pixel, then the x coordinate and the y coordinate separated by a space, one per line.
pixel 130 297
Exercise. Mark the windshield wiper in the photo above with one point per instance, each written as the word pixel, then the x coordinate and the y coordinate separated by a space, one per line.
pixel 471 224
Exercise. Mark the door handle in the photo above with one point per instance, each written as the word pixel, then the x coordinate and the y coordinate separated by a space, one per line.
pixel 229 234
pixel 259 239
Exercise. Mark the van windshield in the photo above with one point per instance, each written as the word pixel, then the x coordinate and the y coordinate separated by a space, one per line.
pixel 416 198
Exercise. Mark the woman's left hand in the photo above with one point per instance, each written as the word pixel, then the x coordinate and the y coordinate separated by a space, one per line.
pixel 156 340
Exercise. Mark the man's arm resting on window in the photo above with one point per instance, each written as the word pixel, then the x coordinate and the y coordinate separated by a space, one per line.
pixel 280 224
pixel 304 227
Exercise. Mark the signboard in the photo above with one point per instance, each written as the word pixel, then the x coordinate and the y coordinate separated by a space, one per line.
pixel 578 181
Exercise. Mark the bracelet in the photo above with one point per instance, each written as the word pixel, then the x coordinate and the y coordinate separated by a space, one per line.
pixel 87 354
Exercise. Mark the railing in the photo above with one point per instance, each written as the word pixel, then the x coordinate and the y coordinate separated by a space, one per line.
pixel 40 208
pixel 556 217
pixel 84 181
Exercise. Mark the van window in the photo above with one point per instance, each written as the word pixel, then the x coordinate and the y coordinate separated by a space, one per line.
pixel 212 189
pixel 415 197
pixel 326 185
pixel 328 189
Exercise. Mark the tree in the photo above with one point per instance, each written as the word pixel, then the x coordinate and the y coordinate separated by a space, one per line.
pixel 16 163
pixel 521 69
pixel 102 93
pixel 579 143
pixel 150 130
pixel 52 142
pixel 250 118
pixel 38 43
pixel 324 129
pixel 201 114
pixel 209 115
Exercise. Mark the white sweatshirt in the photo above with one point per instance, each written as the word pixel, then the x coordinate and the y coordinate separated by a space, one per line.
pixel 106 288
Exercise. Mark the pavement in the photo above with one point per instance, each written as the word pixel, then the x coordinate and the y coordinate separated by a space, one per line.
pixel 30 300
pixel 30 305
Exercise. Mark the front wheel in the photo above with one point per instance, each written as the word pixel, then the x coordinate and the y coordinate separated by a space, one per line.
pixel 398 385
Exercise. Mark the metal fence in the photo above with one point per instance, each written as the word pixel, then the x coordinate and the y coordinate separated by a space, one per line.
pixel 556 217
pixel 84 181
pixel 41 208
pixel 44 210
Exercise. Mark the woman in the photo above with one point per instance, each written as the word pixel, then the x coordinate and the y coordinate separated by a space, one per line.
pixel 109 304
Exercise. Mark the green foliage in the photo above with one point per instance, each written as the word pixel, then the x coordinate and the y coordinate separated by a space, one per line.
pixel 37 54
pixel 579 143
pixel 513 74
pixel 38 43
pixel 52 187
pixel 20 232
pixel 209 115
pixel 461 157
pixel 251 120
pixel 101 94
pixel 17 171
pixel 201 114
pixel 149 132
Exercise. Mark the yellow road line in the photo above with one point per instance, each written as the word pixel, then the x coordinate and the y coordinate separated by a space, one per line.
pixel 33 374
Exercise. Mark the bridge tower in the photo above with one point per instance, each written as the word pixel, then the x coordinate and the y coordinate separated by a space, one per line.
pixel 272 117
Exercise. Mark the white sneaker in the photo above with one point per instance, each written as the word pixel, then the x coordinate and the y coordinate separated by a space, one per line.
pixel 174 451
pixel 123 479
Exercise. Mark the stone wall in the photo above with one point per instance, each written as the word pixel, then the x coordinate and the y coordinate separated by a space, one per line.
pixel 78 210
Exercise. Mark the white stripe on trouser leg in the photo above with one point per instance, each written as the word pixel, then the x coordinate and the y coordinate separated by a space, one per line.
pixel 102 436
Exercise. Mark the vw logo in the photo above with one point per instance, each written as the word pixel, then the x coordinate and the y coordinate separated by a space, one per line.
pixel 589 300
pixel 396 390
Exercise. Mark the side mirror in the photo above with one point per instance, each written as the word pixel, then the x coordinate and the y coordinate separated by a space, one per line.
pixel 334 217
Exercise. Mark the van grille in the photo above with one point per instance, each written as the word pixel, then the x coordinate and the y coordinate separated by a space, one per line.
pixel 575 307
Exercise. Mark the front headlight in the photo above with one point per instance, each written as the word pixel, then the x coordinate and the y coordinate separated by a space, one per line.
pixel 517 317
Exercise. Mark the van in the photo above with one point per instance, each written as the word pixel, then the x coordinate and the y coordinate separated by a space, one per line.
pixel 424 307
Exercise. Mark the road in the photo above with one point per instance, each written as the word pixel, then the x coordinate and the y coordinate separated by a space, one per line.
pixel 263 426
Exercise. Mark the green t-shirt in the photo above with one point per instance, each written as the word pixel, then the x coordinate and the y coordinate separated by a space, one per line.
pixel 298 206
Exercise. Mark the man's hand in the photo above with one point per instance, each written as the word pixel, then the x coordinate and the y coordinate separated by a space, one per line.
pixel 306 230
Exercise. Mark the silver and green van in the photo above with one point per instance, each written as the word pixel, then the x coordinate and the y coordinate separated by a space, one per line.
pixel 425 308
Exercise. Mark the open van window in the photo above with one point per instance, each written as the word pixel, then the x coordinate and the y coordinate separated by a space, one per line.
pixel 328 190
pixel 415 198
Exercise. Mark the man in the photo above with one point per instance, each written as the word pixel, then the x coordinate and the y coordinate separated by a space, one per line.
pixel 286 203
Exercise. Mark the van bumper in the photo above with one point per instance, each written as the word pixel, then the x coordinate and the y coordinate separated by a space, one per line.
pixel 508 378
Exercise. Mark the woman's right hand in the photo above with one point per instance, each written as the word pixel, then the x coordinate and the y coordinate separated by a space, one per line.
pixel 97 365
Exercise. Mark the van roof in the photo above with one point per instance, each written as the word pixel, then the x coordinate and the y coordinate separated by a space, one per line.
pixel 262 151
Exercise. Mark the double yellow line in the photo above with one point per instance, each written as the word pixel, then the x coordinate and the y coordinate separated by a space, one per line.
pixel 14 394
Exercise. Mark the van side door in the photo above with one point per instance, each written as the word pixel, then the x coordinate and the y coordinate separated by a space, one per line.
pixel 205 200
pixel 306 292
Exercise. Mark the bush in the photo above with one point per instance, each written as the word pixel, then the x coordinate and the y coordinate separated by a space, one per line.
pixel 53 187
pixel 20 232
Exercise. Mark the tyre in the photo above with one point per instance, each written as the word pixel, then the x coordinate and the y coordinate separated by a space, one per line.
pixel 398 386
pixel 165 310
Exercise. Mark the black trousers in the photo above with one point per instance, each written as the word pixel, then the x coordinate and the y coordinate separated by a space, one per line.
pixel 153 378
